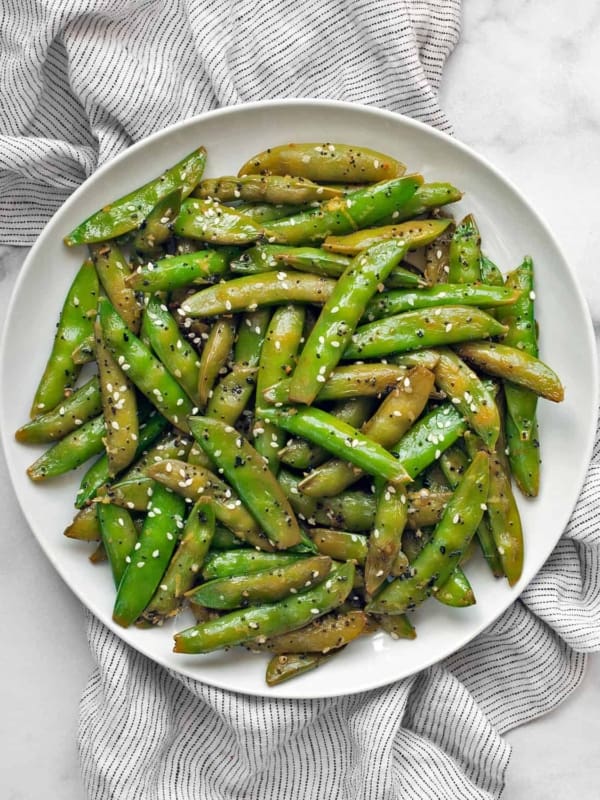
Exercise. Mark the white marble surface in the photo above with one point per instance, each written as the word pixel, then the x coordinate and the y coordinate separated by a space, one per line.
pixel 522 90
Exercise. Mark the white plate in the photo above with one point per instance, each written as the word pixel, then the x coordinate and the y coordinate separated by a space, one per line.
pixel 510 229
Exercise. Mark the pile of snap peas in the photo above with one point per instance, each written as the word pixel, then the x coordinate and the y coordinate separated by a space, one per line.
pixel 309 396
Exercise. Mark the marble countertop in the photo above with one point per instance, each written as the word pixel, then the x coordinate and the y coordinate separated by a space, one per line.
pixel 521 89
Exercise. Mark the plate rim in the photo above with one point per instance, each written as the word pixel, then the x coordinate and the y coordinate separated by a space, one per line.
pixel 395 117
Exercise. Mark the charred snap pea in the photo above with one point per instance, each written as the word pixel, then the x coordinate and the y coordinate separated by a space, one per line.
pixel 80 406
pixel 339 317
pixel 435 563
pixel 214 357
pixel 175 272
pixel 276 189
pixel 416 233
pixel 147 563
pixel 251 291
pixel 239 591
pixel 342 215
pixel 184 568
pixel 322 636
pixel 341 440
pixel 209 221
pixel 335 163
pixel 384 542
pixel 71 451
pixel 388 303
pixel 515 365
pixel 397 625
pixel 119 536
pixel 143 368
pixel 156 228
pixel 113 271
pixel 128 212
pixel 265 621
pixel 437 258
pixel 75 325
pixel 230 395
pixel 423 328
pixel 245 469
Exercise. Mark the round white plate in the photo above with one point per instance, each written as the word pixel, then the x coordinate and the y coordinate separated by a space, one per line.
pixel 510 229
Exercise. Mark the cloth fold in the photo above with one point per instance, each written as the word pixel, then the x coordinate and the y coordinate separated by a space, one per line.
pixel 80 80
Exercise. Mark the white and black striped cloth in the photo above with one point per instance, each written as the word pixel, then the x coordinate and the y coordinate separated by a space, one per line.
pixel 79 81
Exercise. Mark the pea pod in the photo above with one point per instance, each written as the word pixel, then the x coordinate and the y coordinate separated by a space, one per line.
pixel 84 526
pixel 150 557
pixel 397 625
pixel 266 257
pixel 254 188
pixel 335 163
pixel 490 273
pixel 422 328
pixel 437 258
pixel 345 382
pixel 156 228
pixel 465 253
pixel 427 197
pixel 340 545
pixel 514 365
pixel 266 212
pixel 249 475
pixel 416 233
pixel 341 215
pixel 113 271
pixel 341 440
pixel 251 291
pixel 175 353
pixel 429 437
pixel 339 317
pixel 71 451
pixel 286 615
pixel 277 359
pixel 418 358
pixel 143 368
pixel 128 212
pixel 214 356
pixel 80 406
pixel 74 326
pixel 385 540
pixel 435 563
pixel 84 353
pixel 209 221
pixel 119 406
pixel 191 481
pixel 244 562
pixel 425 507
pixel 446 294
pixel 322 636
pixel 175 272
pixel 119 536
pixel 284 667
pixel 239 591
pixel 398 411
pixel 184 567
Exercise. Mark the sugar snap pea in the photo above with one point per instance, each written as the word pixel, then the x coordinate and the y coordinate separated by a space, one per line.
pixel 266 257
pixel 71 451
pixel 80 406
pixel 210 221
pixel 245 562
pixel 119 536
pixel 214 356
pixel 257 622
pixel 282 668
pixel 427 197
pixel 391 513
pixel 397 625
pixel 74 326
pixel 465 253
pixel 322 636
pixel 416 233
pixel 113 270
pixel 174 272
pixel 255 188
pixel 128 212
pixel 340 545
pixel 155 230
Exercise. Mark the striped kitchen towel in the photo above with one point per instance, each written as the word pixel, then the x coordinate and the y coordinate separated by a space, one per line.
pixel 79 81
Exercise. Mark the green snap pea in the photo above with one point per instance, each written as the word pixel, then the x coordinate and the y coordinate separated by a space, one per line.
pixel 447 294
pixel 74 326
pixel 397 625
pixel 209 221
pixel 70 452
pixel 391 514
pixel 339 317
pixel 416 233
pixel 84 526
pixel 465 253
pixel 490 273
pixel 282 668
pixel 266 212
pixel 245 469
pixel 437 560
pixel 322 636
pixel 427 197
pixel 239 591
pixel 429 437
pixel 335 163
pixel 303 259
pixel 84 352
pixel 150 557
pixel 251 291
pixel 276 189
pixel 174 352
pixel 175 272
pixel 143 368
pixel 119 536
pixel 230 395
pixel 342 215
pixel 185 565
pixel 244 562
pixel 341 440
pixel 422 328
pixel 119 407
pixel 425 507
pixel 340 545
pixel 215 355
pixel 437 258
pixel 418 358
pixel 469 394
pixel 286 615
pixel 224 539
pixel 514 365
pixel 128 212
pixel 191 481
pixel 113 271
pixel 156 228
pixel 80 406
